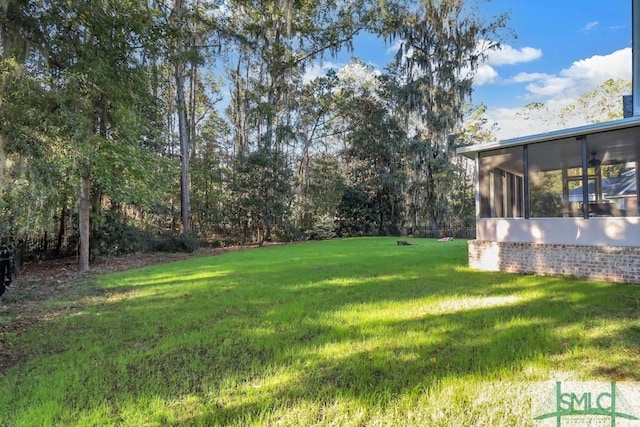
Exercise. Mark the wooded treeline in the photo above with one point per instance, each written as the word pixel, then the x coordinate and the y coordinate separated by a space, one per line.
pixel 199 117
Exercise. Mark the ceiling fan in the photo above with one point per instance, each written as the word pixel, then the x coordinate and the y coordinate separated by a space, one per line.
pixel 594 162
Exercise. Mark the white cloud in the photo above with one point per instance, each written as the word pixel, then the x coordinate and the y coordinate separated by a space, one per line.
pixel 512 123
pixel 485 74
pixel 527 77
pixel 508 55
pixel 358 74
pixel 318 70
pixel 590 26
pixel 395 47
pixel 557 91
pixel 581 77
pixel 550 87
pixel 354 73
pixel 599 68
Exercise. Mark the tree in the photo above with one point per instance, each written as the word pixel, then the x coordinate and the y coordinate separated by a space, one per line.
pixel 107 93
pixel 434 67
pixel 356 214
pixel 375 157
pixel 602 104
pixel 318 183
pixel 474 129
pixel 210 164
pixel 91 110
pixel 13 53
pixel 260 189
pixel 280 39
pixel 179 46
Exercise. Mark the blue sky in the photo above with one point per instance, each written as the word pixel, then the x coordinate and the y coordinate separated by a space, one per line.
pixel 563 32
pixel 562 48
pixel 573 47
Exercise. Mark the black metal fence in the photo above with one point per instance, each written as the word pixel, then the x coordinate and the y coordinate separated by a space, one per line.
pixel 45 247
pixel 457 232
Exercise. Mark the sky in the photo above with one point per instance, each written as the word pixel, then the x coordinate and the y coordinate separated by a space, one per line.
pixel 564 48
pixel 561 49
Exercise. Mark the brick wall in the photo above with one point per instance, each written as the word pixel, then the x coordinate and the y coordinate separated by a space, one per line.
pixel 608 263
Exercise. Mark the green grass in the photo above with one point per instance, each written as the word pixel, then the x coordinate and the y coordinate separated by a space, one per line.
pixel 350 332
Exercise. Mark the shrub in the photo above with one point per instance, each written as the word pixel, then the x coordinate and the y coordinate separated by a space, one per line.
pixel 322 229
pixel 172 243
pixel 115 237
pixel 356 214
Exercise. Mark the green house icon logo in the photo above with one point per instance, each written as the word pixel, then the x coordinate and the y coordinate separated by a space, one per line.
pixel 586 406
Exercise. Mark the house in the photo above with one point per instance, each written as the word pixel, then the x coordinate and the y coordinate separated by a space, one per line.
pixel 563 202
pixel 618 192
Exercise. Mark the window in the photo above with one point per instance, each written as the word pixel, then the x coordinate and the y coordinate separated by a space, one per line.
pixel 501 183
pixel 612 183
pixel 555 178
pixel 586 176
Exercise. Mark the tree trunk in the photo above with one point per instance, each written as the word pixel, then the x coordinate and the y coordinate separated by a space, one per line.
pixel 185 205
pixel 433 222
pixel 193 87
pixel 185 208
pixel 61 228
pixel 84 209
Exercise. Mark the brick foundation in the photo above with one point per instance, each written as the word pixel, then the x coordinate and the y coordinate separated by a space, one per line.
pixel 608 263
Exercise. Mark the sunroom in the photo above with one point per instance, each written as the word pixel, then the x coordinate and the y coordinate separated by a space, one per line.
pixel 563 202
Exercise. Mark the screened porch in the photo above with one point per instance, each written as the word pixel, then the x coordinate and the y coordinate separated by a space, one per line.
pixel 575 186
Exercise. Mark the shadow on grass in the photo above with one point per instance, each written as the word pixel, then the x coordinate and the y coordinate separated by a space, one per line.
pixel 484 342
pixel 252 337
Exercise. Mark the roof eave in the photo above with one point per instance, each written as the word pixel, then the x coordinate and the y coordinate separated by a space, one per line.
pixel 471 150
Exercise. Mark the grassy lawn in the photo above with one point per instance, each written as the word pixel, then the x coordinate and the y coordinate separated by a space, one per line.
pixel 350 332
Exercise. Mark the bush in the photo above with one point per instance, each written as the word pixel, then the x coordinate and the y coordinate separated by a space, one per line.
pixel 356 214
pixel 172 243
pixel 217 243
pixel 286 233
pixel 322 229
pixel 115 237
